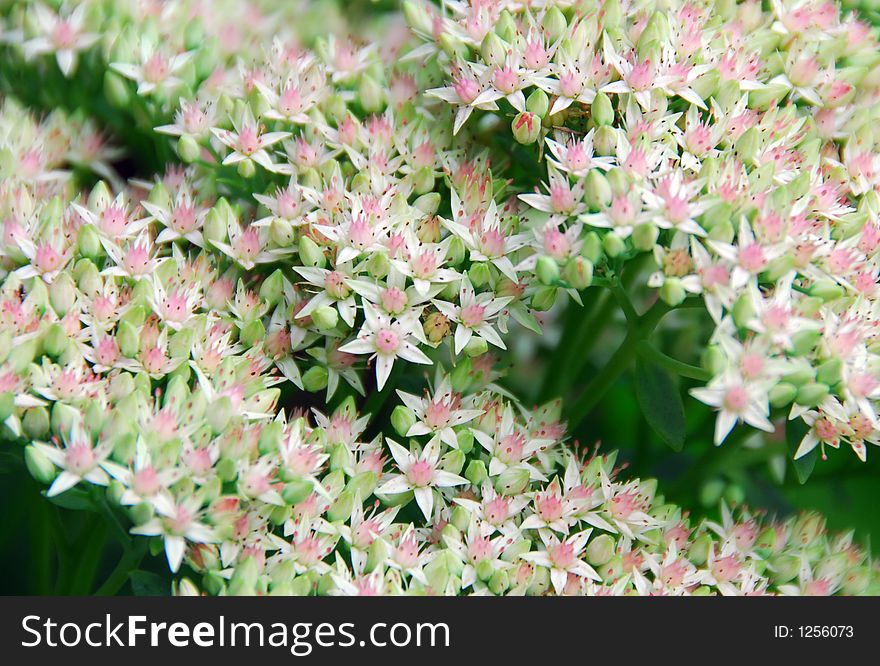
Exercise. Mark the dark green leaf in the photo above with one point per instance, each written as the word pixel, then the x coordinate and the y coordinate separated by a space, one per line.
pixel 661 403
pixel 803 466
pixel 148 584
pixel 76 499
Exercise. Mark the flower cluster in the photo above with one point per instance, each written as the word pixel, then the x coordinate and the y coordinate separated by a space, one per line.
pixel 209 344
pixel 734 145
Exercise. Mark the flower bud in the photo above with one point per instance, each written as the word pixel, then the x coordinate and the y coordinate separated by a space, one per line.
pixel 116 90
pixel 547 270
pixel 499 582
pixel 601 110
pixel 538 103
pixel 370 94
pixel 436 327
pixel 811 394
pixel 830 372
pixel 672 292
pixel 39 466
pixel 578 273
pixel 7 405
pixel 605 140
pixel 453 461
pixel 244 578
pixel 296 491
pixel 600 550
pixel 88 242
pixel 246 168
pixel 479 275
pixel 743 310
pixel 315 379
pixel 597 191
pixel 341 509
pixel 310 254
pixel 252 333
pixel 543 298
pixel 62 293
pixel 402 419
pixel 827 290
pixel 782 394
pixel 362 484
pixel 325 317
pixel 698 553
pixel 785 568
pixel 512 481
pixel 273 288
pixel 591 250
pixel 613 245
pixel 554 23
pixel 526 127
pixel 476 472
pixel 493 49
pixel 36 423
pixel 476 347
pixel 54 340
pixel 219 415
pixel 188 149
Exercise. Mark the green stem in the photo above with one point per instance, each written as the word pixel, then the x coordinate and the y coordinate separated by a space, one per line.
pixel 129 561
pixel 649 352
pixel 617 364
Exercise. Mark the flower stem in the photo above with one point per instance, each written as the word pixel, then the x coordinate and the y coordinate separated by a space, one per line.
pixel 649 352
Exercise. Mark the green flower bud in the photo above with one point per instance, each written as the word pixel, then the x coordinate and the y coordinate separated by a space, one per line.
pixel 827 290
pixel 36 423
pixel 219 415
pixel 601 110
pixel 830 372
pixel 116 90
pixel 476 472
pixel 512 481
pixel 746 146
pixel 296 491
pixel 812 394
pixel 600 550
pixel 547 270
pixel 244 578
pixel 315 379
pixel 613 245
pixel 62 293
pixel 672 292
pixel 782 394
pixel 612 569
pixel 644 237
pixel 465 440
pixel 54 340
pixel 272 288
pixel 127 339
pixel 538 103
pixel 597 191
pixel 7 405
pixel 64 418
pixel 341 509
pixel 554 23
pixel 246 168
pixel 402 419
pixel 370 94
pixel 188 149
pixel 807 528
pixel 743 310
pixel 476 347
pixel 452 461
pixel 88 242
pixel 605 140
pixel 325 317
pixel 479 275
pixel 544 298
pixel 591 250
pixel 363 484
pixel 698 553
pixel 252 333
pixel 493 49
pixel 499 582
pixel 578 273
pixel 785 567
pixel 526 127
pixel 39 466
pixel 310 254
pixel 804 342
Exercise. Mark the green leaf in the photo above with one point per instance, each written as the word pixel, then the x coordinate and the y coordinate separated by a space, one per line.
pixel 803 466
pixel 148 584
pixel 76 499
pixel 661 403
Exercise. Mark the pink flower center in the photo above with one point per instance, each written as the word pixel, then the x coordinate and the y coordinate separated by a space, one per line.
pixel 421 474
pixel 473 315
pixel 387 341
